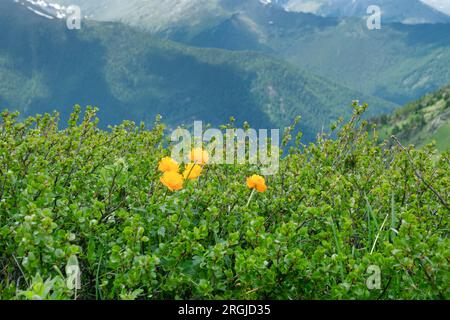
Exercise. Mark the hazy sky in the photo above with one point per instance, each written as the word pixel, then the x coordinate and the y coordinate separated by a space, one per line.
pixel 443 5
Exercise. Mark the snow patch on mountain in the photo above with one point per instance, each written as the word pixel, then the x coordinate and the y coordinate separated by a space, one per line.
pixel 404 11
pixel 44 9
pixel 441 5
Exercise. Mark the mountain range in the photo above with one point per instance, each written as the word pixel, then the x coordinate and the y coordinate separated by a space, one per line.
pixel 258 60
pixel 130 74
pixel 399 63
pixel 157 13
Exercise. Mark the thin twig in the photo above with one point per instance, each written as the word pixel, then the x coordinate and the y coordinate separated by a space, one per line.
pixel 20 268
pixel 420 177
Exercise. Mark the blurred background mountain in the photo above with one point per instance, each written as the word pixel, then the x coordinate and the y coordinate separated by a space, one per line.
pixel 257 60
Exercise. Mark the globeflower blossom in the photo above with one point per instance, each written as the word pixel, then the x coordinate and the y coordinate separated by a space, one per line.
pixel 172 180
pixel 257 182
pixel 192 171
pixel 167 164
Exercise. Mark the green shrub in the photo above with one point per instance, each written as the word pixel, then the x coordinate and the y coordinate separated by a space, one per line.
pixel 335 208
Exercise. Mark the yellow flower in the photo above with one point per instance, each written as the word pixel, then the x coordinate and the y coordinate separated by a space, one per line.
pixel 257 182
pixel 199 156
pixel 192 171
pixel 167 164
pixel 172 180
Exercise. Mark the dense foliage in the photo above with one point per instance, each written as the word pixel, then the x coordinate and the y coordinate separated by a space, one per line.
pixel 335 208
pixel 420 122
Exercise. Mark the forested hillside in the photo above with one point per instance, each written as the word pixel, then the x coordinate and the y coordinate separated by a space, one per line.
pixel 421 122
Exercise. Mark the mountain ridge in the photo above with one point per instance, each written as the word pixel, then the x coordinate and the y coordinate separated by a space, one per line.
pixel 403 11
pixel 131 75
pixel 398 63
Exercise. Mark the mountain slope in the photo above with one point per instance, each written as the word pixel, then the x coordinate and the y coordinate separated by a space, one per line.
pixel 399 63
pixel 154 15
pixel 404 11
pixel 157 14
pixel 131 75
pixel 421 122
